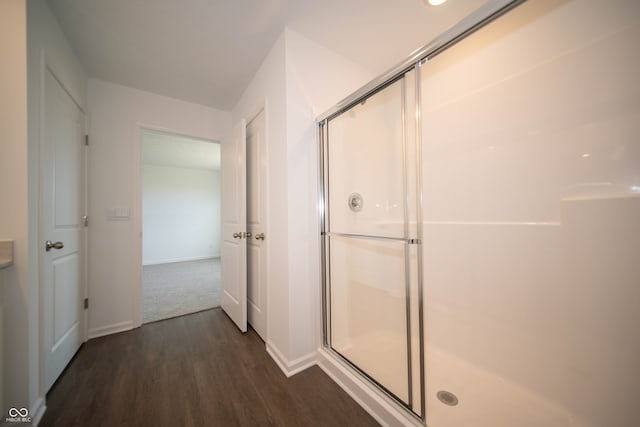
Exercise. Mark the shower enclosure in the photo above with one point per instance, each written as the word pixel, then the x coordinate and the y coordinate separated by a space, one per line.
pixel 371 244
pixel 500 175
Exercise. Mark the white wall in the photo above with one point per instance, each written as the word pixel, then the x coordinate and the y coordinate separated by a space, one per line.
pixel 298 79
pixel 267 88
pixel 180 214
pixel 19 164
pixel 14 222
pixel 117 114
pixel 317 78
pixel 30 39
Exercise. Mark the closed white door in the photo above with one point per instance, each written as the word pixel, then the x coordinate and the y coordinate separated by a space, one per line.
pixel 256 223
pixel 61 228
pixel 233 297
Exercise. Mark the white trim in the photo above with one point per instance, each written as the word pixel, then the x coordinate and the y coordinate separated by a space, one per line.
pixel 38 408
pixel 85 229
pixel 371 400
pixel 42 73
pixel 171 261
pixel 267 217
pixel 290 368
pixel 111 329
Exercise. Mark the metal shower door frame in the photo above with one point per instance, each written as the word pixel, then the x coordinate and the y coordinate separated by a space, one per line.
pixel 408 241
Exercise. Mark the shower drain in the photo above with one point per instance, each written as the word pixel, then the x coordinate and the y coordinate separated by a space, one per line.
pixel 447 398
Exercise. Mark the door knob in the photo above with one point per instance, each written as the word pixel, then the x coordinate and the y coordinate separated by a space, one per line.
pixel 237 236
pixel 48 245
pixel 260 236
pixel 247 234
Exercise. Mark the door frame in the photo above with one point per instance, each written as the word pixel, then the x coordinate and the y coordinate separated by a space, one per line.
pixel 263 108
pixel 48 65
pixel 136 216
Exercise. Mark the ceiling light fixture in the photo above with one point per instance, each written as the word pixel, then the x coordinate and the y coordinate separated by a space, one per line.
pixel 435 2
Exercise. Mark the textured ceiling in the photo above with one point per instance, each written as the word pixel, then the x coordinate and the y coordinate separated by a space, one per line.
pixel 207 51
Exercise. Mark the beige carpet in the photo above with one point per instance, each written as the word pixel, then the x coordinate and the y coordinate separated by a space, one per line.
pixel 170 290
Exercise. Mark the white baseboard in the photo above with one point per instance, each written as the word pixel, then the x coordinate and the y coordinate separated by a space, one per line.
pixel 110 329
pixel 290 368
pixel 170 261
pixel 373 401
pixel 37 410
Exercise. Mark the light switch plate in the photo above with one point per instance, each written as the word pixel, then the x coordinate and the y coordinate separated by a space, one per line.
pixel 118 214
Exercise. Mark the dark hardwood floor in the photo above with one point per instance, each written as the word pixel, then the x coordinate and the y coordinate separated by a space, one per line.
pixel 195 370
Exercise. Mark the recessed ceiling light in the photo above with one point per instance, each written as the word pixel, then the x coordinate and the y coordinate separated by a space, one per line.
pixel 435 2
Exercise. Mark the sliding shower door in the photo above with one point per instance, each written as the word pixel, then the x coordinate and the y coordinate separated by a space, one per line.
pixel 372 313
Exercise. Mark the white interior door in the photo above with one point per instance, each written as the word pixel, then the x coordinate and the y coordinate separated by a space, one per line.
pixel 256 223
pixel 61 226
pixel 234 226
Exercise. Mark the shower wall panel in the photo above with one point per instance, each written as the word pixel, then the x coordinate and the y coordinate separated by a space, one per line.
pixel 365 157
pixel 531 177
pixel 368 309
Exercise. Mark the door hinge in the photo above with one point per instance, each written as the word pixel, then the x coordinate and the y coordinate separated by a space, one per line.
pixel 85 220
pixel 86 140
pixel 86 303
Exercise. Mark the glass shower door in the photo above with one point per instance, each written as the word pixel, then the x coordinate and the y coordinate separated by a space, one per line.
pixel 368 253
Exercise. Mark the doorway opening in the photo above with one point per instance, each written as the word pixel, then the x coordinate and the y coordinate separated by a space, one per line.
pixel 181 225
